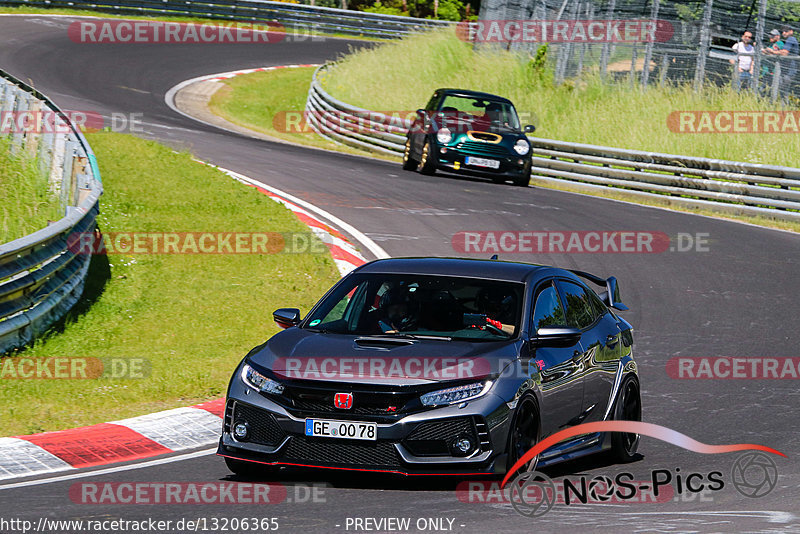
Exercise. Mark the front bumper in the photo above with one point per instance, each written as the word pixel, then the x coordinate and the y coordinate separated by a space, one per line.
pixel 416 444
pixel 511 166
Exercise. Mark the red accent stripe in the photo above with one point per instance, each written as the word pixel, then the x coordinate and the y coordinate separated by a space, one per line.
pixel 361 469
pixel 96 445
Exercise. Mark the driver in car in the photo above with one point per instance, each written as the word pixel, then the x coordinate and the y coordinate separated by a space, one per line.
pixel 395 306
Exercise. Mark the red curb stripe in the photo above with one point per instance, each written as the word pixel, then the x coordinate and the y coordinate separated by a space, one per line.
pixel 96 445
pixel 339 253
pixel 214 407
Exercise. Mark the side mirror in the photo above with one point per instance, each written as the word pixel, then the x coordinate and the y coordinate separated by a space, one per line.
pixel 422 113
pixel 556 336
pixel 286 317
pixel 612 297
pixel 530 128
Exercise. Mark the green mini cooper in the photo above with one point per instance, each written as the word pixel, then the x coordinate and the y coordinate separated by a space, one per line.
pixel 468 132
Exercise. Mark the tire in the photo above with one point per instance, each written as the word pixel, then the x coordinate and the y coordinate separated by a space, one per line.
pixel 409 163
pixel 247 469
pixel 522 181
pixel 524 433
pixel 525 178
pixel 627 407
pixel 427 162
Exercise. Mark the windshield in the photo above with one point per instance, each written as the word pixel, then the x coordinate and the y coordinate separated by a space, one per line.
pixel 421 305
pixel 479 114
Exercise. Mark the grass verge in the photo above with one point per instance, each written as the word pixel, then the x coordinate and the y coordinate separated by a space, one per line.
pixel 27 203
pixel 192 317
pixel 271 102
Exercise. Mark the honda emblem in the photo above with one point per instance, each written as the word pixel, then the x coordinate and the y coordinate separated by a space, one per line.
pixel 343 401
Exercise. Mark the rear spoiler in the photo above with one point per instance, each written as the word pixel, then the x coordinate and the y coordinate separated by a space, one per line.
pixel 611 295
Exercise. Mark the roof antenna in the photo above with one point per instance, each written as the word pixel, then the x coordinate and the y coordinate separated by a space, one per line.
pixel 494 257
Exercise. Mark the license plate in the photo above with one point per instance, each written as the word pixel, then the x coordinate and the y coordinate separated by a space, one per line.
pixel 482 162
pixel 341 429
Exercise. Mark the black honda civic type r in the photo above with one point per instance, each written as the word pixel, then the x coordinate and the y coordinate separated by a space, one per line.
pixel 437 366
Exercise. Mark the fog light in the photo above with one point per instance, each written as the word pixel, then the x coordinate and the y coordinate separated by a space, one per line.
pixel 462 446
pixel 520 162
pixel 241 431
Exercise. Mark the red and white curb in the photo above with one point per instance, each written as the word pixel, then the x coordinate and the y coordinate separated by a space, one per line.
pixel 118 441
pixel 170 430
pixel 169 96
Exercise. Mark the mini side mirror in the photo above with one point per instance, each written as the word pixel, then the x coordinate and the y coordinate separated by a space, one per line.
pixel 530 128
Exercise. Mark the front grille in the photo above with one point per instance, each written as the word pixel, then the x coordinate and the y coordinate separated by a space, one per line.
pixel 264 429
pixel 380 454
pixel 433 438
pixel 304 401
pixel 483 149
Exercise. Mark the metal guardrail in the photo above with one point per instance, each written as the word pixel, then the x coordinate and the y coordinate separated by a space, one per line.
pixel 40 277
pixel 723 186
pixel 314 18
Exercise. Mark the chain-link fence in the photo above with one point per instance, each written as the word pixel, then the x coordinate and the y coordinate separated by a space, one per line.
pixel 654 42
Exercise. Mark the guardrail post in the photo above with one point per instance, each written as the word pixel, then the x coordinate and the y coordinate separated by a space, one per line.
pixel 18 137
pixel 66 170
pixel 57 163
pixel 33 136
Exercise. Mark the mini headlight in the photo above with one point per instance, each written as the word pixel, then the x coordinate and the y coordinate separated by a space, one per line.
pixel 455 394
pixel 259 382
pixel 521 147
pixel 444 136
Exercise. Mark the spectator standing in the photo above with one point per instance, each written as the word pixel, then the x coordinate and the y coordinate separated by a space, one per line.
pixel 789 65
pixel 768 67
pixel 744 60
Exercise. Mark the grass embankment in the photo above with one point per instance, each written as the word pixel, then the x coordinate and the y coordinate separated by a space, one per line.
pixel 191 316
pixel 403 74
pixel 272 102
pixel 27 204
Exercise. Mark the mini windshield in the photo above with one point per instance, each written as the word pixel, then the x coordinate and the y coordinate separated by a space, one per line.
pixel 419 306
pixel 479 114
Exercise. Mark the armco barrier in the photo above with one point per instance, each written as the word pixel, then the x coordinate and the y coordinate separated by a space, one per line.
pixel 324 19
pixel 40 277
pixel 722 186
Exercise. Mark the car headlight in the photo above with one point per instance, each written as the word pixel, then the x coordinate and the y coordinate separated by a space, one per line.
pixel 455 394
pixel 259 382
pixel 444 136
pixel 521 147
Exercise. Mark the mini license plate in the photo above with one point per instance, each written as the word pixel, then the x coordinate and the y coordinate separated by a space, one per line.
pixel 482 162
